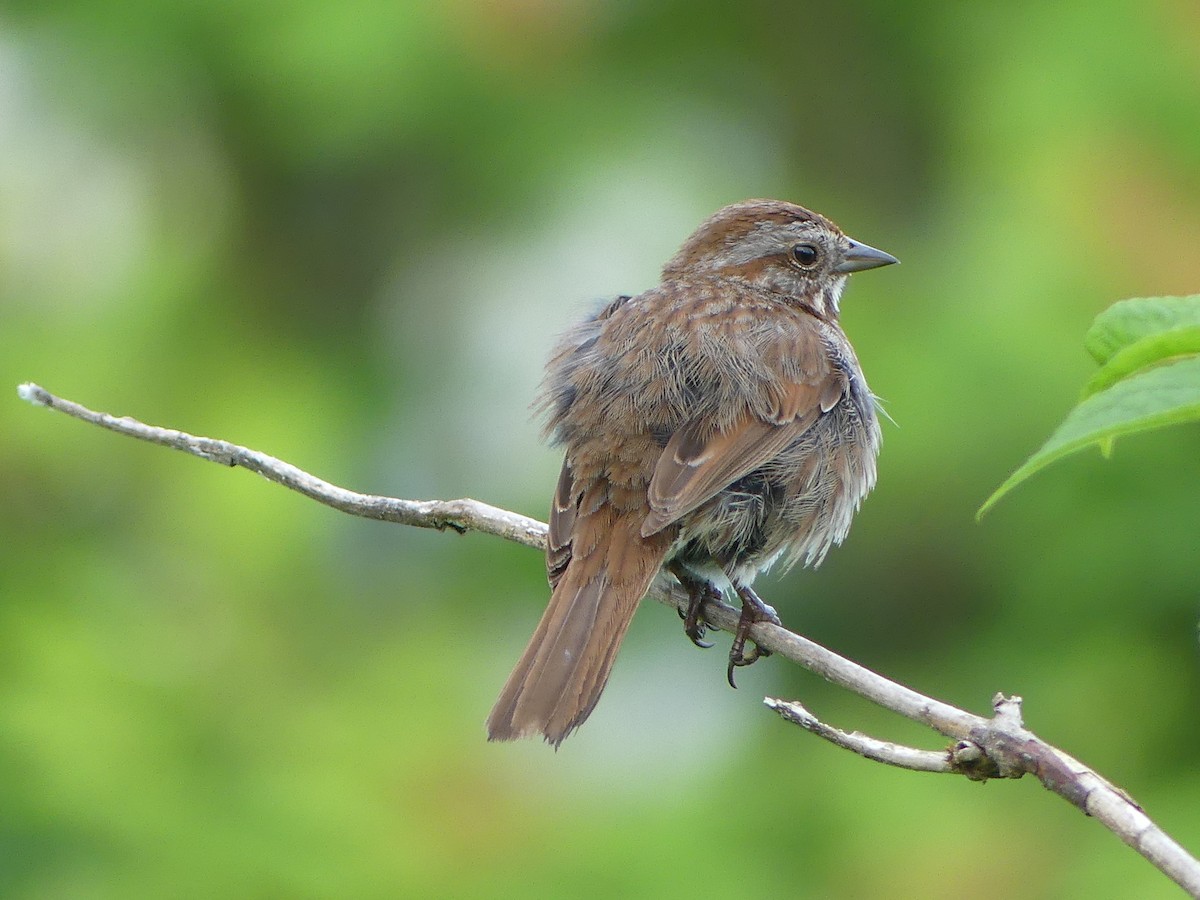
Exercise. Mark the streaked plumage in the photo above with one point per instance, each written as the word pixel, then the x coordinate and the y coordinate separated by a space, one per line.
pixel 713 424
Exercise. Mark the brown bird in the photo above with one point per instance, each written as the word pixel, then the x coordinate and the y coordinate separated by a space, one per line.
pixel 711 425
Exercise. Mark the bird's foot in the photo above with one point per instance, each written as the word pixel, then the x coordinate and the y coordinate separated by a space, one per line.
pixel 754 610
pixel 694 625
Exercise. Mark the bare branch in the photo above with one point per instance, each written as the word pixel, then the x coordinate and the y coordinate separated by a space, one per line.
pixel 459 515
pixel 856 742
pixel 996 747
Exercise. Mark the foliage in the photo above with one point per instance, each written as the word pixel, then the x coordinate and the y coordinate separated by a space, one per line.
pixel 1149 355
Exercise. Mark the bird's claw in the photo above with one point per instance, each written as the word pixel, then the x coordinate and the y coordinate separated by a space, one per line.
pixel 696 632
pixel 753 612
pixel 694 625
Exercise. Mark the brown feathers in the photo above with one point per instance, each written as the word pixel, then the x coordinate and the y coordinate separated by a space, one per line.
pixel 713 422
pixel 559 678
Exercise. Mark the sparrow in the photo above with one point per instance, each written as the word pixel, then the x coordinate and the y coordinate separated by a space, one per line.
pixel 711 425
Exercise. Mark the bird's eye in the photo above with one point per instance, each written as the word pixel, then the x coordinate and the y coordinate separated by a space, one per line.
pixel 806 255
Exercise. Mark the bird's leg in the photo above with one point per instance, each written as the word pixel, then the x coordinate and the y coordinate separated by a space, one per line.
pixel 698 590
pixel 753 611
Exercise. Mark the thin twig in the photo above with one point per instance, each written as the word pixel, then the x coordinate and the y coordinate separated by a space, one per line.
pixel 996 747
pixel 460 515
pixel 856 742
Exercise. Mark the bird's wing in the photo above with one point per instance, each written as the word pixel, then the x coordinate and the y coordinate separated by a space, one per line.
pixel 563 510
pixel 699 461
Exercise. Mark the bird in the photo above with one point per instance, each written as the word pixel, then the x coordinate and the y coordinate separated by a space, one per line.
pixel 711 425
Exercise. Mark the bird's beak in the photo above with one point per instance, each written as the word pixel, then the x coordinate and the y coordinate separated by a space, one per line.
pixel 860 257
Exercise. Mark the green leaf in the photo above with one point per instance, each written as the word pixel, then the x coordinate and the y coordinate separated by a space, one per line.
pixel 1166 394
pixel 1130 322
pixel 1149 351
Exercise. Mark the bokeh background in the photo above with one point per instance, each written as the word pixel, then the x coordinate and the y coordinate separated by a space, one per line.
pixel 347 234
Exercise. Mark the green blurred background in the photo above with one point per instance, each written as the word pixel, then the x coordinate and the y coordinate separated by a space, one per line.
pixel 347 234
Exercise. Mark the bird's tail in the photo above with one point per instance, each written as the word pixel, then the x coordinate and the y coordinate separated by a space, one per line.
pixel 562 672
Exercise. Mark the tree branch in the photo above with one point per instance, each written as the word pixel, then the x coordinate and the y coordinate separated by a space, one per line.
pixel 856 742
pixel 995 747
pixel 459 515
